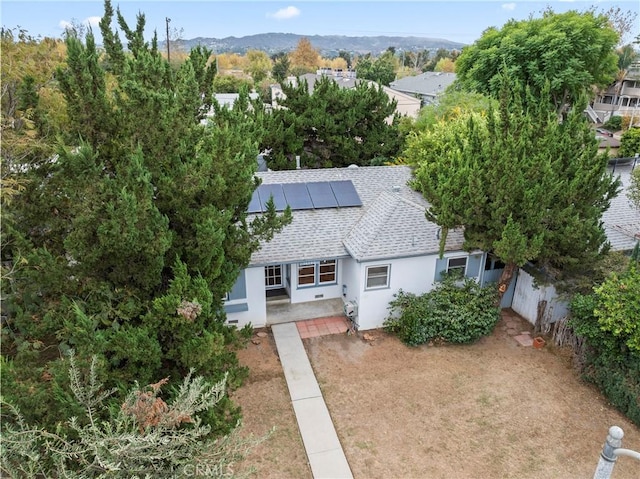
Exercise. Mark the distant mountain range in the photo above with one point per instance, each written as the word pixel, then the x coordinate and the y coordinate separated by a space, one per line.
pixel 328 45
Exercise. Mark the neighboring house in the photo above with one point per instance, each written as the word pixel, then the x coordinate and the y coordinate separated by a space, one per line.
pixel 427 86
pixel 227 100
pixel 609 144
pixel 407 105
pixel 622 219
pixel 621 99
pixel 361 253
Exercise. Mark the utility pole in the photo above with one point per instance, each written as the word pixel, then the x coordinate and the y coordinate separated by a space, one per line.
pixel 167 20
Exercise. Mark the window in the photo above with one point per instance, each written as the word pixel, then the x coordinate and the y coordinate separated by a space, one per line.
pixel 457 266
pixel 317 273
pixel 306 274
pixel 327 271
pixel 492 263
pixel 377 276
pixel 273 276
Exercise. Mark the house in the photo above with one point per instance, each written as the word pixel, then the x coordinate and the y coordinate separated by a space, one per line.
pixel 427 86
pixel 406 105
pixel 622 220
pixel 622 98
pixel 609 145
pixel 358 235
pixel 226 100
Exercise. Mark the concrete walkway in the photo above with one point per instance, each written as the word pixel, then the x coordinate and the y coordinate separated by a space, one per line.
pixel 326 457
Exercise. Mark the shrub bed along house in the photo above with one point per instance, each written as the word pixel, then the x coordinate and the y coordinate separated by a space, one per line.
pixel 456 311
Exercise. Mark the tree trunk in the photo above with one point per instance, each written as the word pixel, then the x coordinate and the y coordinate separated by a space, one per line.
pixel 505 279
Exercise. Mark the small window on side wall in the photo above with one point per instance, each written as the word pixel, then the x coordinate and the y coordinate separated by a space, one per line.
pixel 377 276
pixel 457 266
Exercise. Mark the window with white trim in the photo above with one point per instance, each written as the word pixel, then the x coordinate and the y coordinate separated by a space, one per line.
pixel 273 276
pixel 327 272
pixel 306 274
pixel 377 276
pixel 457 266
pixel 317 273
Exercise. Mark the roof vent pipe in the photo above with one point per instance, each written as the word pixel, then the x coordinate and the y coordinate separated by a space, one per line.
pixel 395 189
pixel 297 162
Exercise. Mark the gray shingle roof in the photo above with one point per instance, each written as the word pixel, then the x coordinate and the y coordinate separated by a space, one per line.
pixel 389 224
pixel 622 219
pixel 428 83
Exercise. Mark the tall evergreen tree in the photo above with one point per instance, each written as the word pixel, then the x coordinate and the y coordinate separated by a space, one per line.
pixel 129 238
pixel 522 184
pixel 332 127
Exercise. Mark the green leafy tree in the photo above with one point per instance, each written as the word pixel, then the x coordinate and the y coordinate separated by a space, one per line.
pixel 441 53
pixel 33 109
pixel 563 55
pixel 618 307
pixel 332 127
pixel 381 70
pixel 281 67
pixel 130 236
pixel 258 65
pixel 630 143
pixel 346 56
pixel 230 84
pixel 522 184
pixel 450 105
pixel 607 320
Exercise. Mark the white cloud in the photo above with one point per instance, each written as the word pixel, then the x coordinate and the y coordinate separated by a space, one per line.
pixel 509 6
pixel 93 21
pixel 87 22
pixel 285 13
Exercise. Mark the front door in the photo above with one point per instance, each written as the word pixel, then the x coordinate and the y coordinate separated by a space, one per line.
pixel 274 281
pixel 273 277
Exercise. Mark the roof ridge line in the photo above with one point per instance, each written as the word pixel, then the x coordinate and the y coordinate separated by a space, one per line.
pixel 379 224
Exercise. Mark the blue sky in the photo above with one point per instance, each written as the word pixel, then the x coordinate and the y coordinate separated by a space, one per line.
pixel 461 21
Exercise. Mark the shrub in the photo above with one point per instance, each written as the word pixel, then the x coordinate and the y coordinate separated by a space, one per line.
pixel 630 143
pixel 607 320
pixel 614 123
pixel 144 437
pixel 453 312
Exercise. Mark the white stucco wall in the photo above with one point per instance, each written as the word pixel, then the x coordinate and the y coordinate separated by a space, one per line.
pixel 414 275
pixel 256 301
pixel 351 279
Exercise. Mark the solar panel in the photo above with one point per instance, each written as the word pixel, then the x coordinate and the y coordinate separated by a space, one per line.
pixel 297 196
pixel 345 193
pixel 322 195
pixel 275 190
pixel 254 205
pixel 303 196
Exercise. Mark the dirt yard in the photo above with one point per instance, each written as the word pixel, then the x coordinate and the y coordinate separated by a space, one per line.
pixel 489 410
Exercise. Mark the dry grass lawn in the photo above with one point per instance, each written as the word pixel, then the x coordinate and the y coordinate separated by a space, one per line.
pixel 489 410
